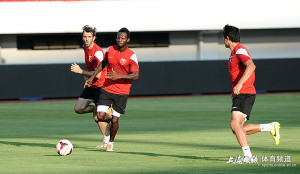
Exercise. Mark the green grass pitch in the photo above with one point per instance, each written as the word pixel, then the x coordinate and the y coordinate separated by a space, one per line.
pixel 156 135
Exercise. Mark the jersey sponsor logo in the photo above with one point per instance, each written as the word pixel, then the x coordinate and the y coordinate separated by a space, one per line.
pixel 122 61
pixel 90 58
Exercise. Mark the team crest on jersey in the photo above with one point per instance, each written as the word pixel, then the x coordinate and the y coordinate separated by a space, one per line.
pixel 90 58
pixel 123 61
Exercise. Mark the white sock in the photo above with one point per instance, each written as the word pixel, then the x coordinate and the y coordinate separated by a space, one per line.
pixel 110 142
pixel 106 139
pixel 265 127
pixel 246 151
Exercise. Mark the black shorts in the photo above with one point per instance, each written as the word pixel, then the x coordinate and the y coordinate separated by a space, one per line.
pixel 243 103
pixel 117 101
pixel 91 94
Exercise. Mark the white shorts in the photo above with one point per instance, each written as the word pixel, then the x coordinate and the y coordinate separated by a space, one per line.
pixel 103 108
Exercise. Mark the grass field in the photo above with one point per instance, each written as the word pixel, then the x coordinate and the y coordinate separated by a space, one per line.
pixel 156 135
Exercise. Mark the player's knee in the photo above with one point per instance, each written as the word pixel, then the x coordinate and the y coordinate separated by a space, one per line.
pixel 78 110
pixel 115 120
pixel 101 116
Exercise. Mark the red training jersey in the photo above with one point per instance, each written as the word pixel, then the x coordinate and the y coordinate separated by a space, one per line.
pixel 236 66
pixel 93 58
pixel 123 63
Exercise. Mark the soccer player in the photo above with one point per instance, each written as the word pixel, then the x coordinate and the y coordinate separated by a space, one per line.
pixel 93 56
pixel 122 69
pixel 241 73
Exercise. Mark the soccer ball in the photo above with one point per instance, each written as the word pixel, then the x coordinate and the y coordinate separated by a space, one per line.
pixel 64 147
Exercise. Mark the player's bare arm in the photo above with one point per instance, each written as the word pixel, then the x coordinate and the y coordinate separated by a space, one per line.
pixel 114 75
pixel 250 68
pixel 76 69
pixel 99 69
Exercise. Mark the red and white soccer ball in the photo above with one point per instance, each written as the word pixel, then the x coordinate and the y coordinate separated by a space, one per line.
pixel 64 147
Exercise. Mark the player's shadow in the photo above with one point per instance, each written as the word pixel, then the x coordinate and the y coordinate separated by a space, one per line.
pixel 47 145
pixel 166 155
pixel 210 146
pixel 95 149
pixel 176 156
pixel 28 144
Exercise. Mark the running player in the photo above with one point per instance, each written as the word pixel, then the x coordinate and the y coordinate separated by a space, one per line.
pixel 241 73
pixel 93 56
pixel 122 69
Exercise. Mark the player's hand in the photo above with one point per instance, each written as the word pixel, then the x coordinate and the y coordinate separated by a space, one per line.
pixel 236 89
pixel 88 82
pixel 110 111
pixel 76 68
pixel 113 75
pixel 86 77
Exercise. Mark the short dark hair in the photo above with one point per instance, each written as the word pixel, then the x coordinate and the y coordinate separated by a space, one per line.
pixel 126 31
pixel 232 32
pixel 89 29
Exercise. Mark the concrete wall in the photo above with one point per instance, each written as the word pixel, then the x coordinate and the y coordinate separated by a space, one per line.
pixel 184 46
